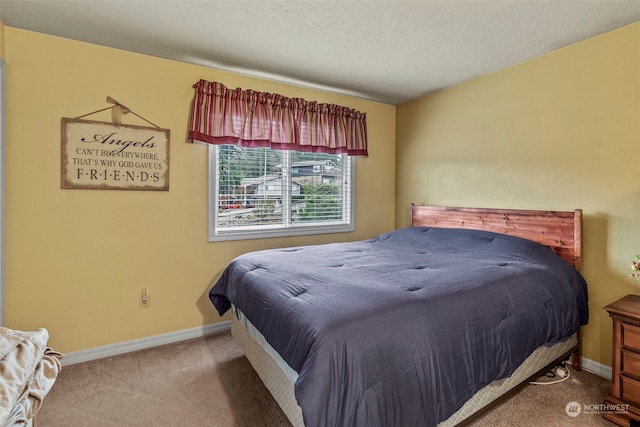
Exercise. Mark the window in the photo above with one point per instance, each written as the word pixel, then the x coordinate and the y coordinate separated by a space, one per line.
pixel 262 192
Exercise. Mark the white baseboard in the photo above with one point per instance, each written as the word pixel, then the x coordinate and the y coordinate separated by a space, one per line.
pixel 597 368
pixel 142 343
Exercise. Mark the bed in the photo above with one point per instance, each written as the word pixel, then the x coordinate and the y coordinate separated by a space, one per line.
pixel 425 325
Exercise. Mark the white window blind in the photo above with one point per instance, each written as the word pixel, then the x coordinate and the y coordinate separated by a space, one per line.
pixel 261 192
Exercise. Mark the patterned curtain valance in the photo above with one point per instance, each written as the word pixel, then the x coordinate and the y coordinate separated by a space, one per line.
pixel 259 119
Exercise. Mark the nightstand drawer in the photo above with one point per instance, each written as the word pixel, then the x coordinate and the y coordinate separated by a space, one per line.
pixel 631 363
pixel 630 390
pixel 631 337
pixel 625 381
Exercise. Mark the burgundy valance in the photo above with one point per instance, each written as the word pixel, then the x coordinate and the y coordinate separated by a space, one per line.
pixel 259 119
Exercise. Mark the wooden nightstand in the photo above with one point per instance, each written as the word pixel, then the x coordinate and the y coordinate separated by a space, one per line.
pixel 625 381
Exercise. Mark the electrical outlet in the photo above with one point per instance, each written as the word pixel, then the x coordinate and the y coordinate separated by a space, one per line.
pixel 145 298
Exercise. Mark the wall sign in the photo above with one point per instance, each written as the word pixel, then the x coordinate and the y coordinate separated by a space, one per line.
pixel 113 156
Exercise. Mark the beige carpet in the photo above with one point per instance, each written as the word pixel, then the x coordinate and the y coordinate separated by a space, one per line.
pixel 208 382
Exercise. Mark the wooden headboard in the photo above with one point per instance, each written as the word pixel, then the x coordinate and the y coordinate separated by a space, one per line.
pixel 559 230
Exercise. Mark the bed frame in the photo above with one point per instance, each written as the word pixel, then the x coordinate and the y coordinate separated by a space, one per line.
pixel 559 230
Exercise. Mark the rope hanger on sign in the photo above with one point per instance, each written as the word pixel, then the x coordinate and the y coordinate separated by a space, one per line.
pixel 117 110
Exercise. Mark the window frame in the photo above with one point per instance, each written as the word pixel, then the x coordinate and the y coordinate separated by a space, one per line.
pixel 280 230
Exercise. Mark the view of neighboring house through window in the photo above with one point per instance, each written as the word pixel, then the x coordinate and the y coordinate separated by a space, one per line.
pixel 261 192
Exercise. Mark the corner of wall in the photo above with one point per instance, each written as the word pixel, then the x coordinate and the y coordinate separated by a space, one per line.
pixel 2 169
pixel 2 50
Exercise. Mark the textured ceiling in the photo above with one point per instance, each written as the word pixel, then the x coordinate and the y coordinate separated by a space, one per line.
pixel 388 51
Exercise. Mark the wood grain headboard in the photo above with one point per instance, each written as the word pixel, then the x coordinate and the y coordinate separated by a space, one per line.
pixel 559 230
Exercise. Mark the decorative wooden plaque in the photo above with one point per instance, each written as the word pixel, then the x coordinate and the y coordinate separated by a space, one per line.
pixel 109 156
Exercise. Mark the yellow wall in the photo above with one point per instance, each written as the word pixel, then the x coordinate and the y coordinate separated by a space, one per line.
pixel 76 259
pixel 561 131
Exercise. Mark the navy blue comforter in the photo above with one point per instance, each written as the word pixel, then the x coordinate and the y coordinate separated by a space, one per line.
pixel 402 329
